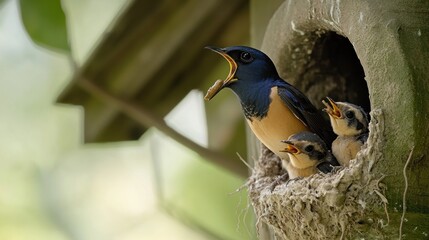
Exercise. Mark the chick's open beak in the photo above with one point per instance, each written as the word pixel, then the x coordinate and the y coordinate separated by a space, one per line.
pixel 332 108
pixel 220 84
pixel 290 148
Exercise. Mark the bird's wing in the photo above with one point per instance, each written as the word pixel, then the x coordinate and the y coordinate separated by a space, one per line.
pixel 325 167
pixel 299 104
pixel 304 110
pixel 363 137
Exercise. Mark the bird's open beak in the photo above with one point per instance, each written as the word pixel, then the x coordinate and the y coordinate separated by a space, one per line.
pixel 290 148
pixel 332 108
pixel 220 84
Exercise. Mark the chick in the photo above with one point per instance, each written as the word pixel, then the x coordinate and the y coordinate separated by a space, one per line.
pixel 308 154
pixel 350 123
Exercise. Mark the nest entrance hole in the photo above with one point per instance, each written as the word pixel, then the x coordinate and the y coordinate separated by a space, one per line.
pixel 331 68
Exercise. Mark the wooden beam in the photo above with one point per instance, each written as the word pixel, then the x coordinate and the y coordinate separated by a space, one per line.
pixel 133 58
pixel 146 118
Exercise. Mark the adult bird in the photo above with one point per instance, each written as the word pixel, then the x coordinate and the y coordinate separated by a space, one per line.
pixel 273 108
pixel 308 155
pixel 350 123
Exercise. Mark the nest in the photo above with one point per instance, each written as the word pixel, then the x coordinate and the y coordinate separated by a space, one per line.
pixel 347 203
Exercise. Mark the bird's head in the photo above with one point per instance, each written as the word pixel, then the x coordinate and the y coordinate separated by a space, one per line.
pixel 305 149
pixel 346 119
pixel 247 65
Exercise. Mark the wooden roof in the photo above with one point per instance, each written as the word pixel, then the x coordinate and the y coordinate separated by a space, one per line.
pixel 152 56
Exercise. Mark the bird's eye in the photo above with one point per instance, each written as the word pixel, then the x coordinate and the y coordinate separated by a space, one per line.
pixel 350 114
pixel 246 57
pixel 309 148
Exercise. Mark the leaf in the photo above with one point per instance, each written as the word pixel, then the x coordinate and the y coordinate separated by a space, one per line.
pixel 45 23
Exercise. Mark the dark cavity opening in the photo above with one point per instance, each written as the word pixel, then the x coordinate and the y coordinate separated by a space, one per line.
pixel 333 69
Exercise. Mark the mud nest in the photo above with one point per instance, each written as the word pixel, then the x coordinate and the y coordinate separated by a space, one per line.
pixel 347 203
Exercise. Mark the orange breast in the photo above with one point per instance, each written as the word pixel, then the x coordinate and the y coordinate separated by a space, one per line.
pixel 278 125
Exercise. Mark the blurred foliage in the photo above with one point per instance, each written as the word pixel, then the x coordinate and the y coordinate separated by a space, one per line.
pixel 85 28
pixel 45 23
pixel 201 194
pixel 54 188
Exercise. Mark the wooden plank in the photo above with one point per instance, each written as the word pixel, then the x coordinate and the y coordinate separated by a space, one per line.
pixel 127 70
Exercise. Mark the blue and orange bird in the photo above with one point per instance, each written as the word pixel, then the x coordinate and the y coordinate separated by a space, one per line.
pixel 274 109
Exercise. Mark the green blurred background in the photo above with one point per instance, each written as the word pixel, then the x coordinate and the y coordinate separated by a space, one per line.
pixel 54 186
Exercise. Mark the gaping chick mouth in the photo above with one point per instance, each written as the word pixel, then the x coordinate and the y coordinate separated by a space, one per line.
pixel 220 84
pixel 332 108
pixel 290 148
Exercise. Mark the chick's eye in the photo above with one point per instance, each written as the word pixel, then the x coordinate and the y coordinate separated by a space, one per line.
pixel 350 114
pixel 309 148
pixel 246 57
